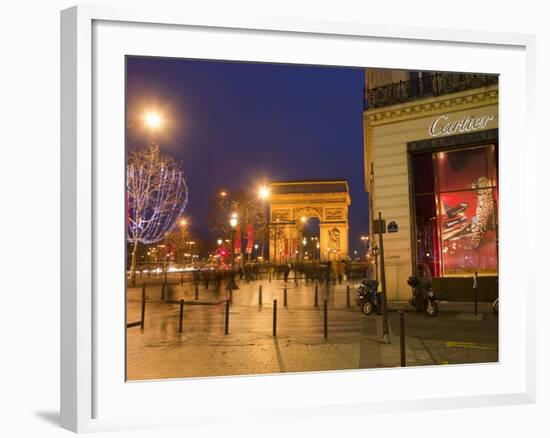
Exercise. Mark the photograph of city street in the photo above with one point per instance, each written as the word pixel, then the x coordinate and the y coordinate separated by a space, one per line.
pixel 289 218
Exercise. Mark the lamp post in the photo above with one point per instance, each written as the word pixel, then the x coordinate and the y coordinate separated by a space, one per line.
pixel 365 239
pixel 264 193
pixel 183 228
pixel 152 120
pixel 233 222
pixel 275 236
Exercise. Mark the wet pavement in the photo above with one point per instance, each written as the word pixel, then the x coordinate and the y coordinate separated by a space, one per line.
pixel 353 340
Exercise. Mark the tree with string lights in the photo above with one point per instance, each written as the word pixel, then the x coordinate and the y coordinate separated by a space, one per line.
pixel 157 195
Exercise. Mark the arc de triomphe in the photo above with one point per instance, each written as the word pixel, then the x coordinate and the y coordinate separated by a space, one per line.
pixel 293 202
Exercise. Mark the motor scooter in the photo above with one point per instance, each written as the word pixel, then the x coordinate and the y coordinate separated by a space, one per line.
pixel 368 297
pixel 423 298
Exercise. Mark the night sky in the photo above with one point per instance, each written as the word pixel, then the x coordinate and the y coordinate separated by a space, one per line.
pixel 238 125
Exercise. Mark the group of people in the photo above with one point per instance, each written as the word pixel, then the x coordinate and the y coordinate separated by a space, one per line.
pixel 336 271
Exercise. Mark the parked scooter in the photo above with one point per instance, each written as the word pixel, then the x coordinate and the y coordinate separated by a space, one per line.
pixel 423 298
pixel 368 297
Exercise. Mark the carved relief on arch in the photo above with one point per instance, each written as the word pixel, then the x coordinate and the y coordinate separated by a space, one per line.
pixel 280 215
pixel 334 214
pixel 334 239
pixel 308 212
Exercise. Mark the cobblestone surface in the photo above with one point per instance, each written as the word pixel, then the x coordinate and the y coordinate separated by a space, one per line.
pixel 354 340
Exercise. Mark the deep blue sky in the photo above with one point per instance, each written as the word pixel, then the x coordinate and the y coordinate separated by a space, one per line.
pixel 235 125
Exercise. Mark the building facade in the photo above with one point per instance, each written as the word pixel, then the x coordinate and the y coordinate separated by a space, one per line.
pixel 431 169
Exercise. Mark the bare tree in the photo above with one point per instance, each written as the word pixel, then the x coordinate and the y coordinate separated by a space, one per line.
pixel 156 195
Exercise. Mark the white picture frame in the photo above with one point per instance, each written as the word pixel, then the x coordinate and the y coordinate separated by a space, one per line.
pixel 93 397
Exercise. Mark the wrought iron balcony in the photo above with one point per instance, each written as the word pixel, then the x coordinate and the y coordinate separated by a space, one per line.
pixel 430 84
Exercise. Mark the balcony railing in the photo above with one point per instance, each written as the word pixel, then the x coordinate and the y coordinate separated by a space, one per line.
pixel 430 84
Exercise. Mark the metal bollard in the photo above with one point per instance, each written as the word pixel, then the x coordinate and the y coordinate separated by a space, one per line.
pixel 274 317
pixel 325 318
pixel 227 317
pixel 231 296
pixel 181 317
pixel 402 337
pixel 181 279
pixel 285 299
pixel 260 295
pixel 347 296
pixel 196 291
pixel 475 293
pixel 316 302
pixel 142 325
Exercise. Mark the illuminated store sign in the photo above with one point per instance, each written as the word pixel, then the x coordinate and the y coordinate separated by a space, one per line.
pixel 443 126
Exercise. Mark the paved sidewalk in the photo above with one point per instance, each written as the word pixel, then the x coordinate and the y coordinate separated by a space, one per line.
pixel 354 340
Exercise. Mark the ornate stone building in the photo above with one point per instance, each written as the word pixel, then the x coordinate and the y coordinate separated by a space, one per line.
pixel 292 203
pixel 431 167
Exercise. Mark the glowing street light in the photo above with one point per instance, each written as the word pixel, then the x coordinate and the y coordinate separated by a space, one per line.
pixel 220 241
pixel 153 120
pixel 223 193
pixel 264 192
pixel 365 239
pixel 233 221
pixel 183 223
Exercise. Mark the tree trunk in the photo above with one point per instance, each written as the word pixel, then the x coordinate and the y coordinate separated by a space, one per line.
pixel 134 263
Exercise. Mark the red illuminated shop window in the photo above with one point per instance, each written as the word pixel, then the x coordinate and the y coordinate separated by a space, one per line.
pixel 455 211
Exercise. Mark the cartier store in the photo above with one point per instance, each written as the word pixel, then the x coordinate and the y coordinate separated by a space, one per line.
pixel 431 166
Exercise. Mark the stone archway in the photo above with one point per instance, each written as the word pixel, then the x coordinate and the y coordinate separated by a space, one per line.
pixel 293 201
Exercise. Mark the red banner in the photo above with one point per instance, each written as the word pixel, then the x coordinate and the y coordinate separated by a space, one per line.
pixel 249 238
pixel 237 244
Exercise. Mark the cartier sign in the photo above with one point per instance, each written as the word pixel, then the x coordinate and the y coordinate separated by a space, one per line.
pixel 444 125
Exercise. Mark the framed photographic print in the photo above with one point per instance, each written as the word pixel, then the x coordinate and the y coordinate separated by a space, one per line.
pixel 250 207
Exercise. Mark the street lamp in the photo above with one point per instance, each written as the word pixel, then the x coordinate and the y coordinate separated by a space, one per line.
pixel 233 222
pixel 153 119
pixel 365 239
pixel 264 192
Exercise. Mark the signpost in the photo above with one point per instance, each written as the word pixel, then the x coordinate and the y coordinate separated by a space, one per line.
pixel 379 226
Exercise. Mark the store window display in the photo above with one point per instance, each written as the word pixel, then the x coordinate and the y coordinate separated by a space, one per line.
pixel 456 214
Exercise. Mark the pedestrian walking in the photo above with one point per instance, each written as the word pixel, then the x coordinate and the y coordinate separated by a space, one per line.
pixel 286 271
